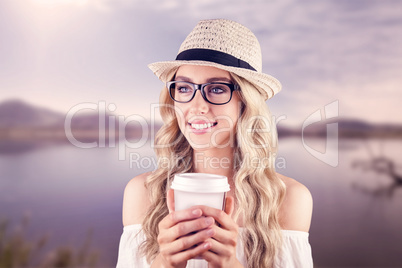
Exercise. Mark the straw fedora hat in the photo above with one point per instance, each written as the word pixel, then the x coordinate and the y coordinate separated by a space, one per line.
pixel 224 44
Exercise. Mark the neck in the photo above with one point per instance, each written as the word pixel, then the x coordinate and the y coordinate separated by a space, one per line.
pixel 216 161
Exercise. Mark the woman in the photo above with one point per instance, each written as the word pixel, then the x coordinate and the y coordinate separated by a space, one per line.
pixel 216 121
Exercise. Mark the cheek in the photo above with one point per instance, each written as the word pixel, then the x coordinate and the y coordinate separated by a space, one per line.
pixel 231 114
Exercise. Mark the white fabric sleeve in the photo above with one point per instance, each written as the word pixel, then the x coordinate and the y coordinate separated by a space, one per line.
pixel 130 242
pixel 296 251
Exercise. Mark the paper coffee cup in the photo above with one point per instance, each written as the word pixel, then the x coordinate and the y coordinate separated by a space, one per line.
pixel 192 189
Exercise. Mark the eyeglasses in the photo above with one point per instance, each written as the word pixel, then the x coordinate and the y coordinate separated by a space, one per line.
pixel 214 93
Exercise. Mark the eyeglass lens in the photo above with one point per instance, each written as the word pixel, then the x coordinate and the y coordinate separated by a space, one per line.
pixel 215 92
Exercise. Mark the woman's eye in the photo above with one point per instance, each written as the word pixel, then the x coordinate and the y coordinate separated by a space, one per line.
pixel 217 90
pixel 183 89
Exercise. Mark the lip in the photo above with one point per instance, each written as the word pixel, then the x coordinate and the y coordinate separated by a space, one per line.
pixel 201 126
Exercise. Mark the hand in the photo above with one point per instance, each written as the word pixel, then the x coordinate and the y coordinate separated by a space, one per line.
pixel 223 243
pixel 182 235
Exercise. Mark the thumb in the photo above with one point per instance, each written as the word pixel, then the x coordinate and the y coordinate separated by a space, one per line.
pixel 229 205
pixel 170 200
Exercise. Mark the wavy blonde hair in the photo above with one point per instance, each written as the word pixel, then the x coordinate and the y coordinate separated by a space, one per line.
pixel 259 192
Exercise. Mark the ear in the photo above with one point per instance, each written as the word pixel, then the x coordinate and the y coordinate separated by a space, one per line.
pixel 170 200
pixel 229 205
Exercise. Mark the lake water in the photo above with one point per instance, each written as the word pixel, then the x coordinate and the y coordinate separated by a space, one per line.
pixel 67 191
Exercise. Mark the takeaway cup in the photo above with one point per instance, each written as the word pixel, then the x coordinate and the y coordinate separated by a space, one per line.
pixel 191 189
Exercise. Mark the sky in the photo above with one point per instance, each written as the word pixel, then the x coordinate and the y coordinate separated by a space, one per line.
pixel 62 53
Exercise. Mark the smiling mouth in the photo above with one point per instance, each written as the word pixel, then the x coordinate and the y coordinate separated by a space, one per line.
pixel 203 126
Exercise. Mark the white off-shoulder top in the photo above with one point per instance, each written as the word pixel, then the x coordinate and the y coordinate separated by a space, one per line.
pixel 296 250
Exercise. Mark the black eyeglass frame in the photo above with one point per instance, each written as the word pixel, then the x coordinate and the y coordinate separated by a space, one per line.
pixel 200 87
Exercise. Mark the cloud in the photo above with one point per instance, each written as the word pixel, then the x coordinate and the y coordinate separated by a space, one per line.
pixel 325 50
pixel 326 42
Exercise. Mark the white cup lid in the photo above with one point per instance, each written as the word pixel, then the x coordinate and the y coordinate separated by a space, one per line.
pixel 200 183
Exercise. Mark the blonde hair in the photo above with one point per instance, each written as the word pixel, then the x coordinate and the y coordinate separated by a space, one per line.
pixel 258 191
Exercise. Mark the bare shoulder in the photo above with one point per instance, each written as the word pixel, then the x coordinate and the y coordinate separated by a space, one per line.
pixel 135 201
pixel 297 207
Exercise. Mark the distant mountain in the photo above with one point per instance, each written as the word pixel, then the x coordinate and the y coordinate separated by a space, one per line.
pixel 347 128
pixel 24 127
pixel 354 124
pixel 22 121
pixel 17 113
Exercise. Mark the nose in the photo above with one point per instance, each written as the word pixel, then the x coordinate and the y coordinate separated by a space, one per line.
pixel 198 104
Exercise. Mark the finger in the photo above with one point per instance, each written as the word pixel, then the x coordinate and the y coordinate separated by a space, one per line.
pixel 223 241
pixel 188 242
pixel 185 228
pixel 211 257
pixel 189 254
pixel 175 217
pixel 220 216
pixel 170 200
pixel 229 205
pixel 216 252
pixel 225 237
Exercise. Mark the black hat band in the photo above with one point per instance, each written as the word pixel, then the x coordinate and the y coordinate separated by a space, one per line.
pixel 213 56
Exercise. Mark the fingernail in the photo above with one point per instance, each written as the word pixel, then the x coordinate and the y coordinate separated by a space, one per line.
pixel 210 232
pixel 206 245
pixel 196 212
pixel 209 221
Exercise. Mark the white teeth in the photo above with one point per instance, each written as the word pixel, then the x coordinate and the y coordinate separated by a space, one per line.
pixel 202 126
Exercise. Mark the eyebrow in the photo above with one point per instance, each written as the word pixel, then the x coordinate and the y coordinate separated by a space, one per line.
pixel 209 80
